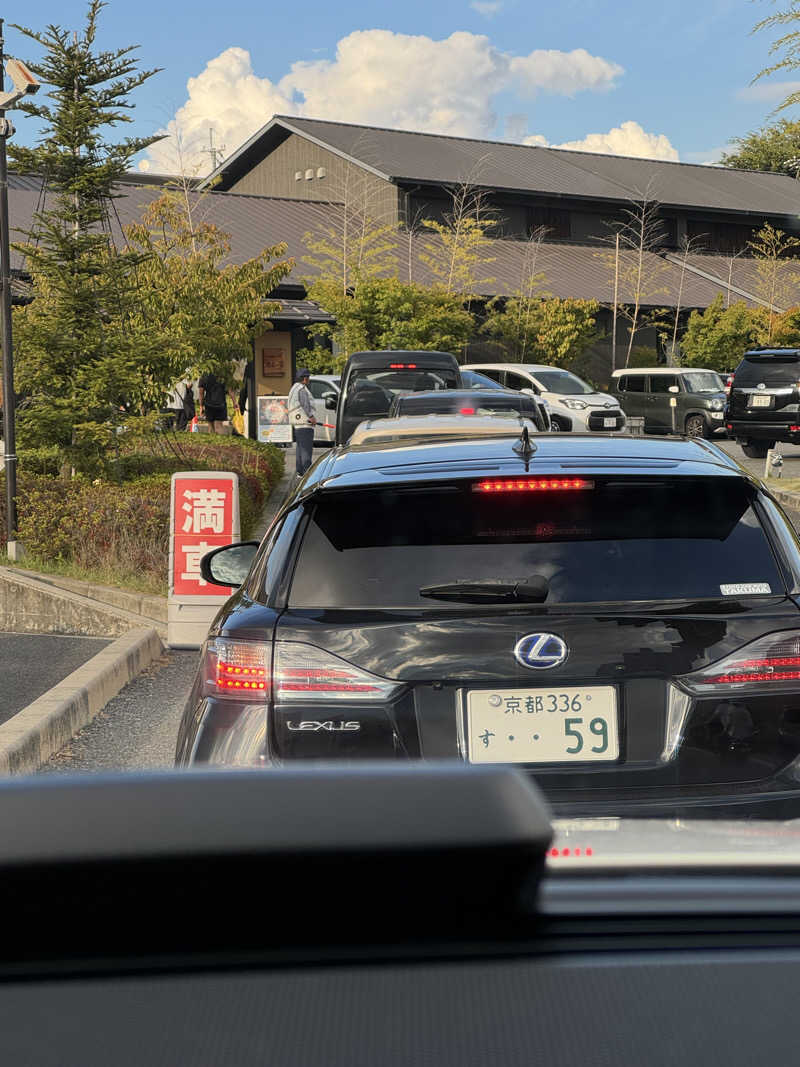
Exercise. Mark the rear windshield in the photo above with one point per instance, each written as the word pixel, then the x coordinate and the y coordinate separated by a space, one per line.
pixel 773 369
pixel 618 541
pixel 370 392
pixel 489 402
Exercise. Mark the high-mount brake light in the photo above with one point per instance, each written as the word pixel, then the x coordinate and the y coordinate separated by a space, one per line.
pixel 516 485
pixel 402 366
pixel 238 670
pixel 759 667
pixel 307 674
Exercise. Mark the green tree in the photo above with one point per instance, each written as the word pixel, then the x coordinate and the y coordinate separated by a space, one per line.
pixel 385 313
pixel 204 309
pixel 550 331
pixel 785 49
pixel 717 337
pixel 771 148
pixel 77 359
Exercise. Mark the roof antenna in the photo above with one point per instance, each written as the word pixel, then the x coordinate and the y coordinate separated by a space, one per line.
pixel 525 447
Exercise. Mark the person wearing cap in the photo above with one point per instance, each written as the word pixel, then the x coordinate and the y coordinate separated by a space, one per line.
pixel 301 418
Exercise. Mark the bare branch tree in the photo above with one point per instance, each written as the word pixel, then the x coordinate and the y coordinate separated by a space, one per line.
pixel 457 250
pixel 355 237
pixel 531 284
pixel 688 246
pixel 636 269
pixel 777 271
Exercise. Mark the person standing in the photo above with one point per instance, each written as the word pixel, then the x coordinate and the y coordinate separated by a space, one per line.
pixel 301 418
pixel 213 405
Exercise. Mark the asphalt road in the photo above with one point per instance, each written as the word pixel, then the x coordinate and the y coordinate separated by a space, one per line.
pixel 34 663
pixel 139 727
pixel 790 453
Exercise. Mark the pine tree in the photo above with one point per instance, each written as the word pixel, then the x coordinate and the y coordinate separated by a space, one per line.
pixel 77 358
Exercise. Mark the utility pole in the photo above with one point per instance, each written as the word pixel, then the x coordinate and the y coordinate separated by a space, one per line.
pixel 214 150
pixel 24 84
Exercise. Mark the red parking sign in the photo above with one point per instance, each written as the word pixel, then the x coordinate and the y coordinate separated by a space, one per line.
pixel 204 515
pixel 202 519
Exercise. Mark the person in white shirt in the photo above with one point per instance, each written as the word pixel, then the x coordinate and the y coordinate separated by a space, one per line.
pixel 301 418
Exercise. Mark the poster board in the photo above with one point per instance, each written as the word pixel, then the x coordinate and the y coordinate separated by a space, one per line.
pixel 273 420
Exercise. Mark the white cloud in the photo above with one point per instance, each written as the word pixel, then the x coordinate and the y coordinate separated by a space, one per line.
pixel 487 8
pixel 627 139
pixel 564 72
pixel 768 92
pixel 377 78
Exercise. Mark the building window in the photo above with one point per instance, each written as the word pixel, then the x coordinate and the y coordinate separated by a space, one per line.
pixel 555 220
pixel 718 236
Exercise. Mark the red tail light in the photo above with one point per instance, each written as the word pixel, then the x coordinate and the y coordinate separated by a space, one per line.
pixel 304 673
pixel 467 411
pixel 515 485
pixel 402 366
pixel 759 667
pixel 237 670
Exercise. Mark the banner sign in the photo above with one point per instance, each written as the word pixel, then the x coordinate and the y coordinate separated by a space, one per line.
pixel 204 514
pixel 273 420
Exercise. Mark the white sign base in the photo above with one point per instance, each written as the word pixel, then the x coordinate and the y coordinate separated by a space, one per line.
pixel 188 622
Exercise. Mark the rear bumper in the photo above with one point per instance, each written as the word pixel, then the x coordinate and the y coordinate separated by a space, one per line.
pixel 743 429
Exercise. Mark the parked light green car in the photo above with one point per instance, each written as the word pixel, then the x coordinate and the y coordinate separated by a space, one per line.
pixel 680 400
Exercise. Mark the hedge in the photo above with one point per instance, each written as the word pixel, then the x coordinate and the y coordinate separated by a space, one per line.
pixel 121 528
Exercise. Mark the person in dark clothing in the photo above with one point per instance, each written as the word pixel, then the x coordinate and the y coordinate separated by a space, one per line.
pixel 213 405
pixel 186 412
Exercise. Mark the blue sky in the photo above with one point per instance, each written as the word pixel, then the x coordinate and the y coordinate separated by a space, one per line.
pixel 670 78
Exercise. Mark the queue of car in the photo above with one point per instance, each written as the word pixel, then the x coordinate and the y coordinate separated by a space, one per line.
pixel 619 616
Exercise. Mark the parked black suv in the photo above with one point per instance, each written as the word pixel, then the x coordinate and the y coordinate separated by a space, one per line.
pixel 618 615
pixel 372 380
pixel 764 401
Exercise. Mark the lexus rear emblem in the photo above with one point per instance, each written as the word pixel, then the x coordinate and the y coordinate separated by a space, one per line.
pixel 540 651
pixel 761 385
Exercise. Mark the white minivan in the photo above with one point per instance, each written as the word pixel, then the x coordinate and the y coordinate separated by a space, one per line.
pixel 573 404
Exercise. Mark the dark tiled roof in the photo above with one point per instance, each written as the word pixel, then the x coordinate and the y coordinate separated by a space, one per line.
pixel 434 158
pixel 571 270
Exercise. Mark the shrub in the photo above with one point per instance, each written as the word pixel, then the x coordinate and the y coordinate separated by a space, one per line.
pixel 122 527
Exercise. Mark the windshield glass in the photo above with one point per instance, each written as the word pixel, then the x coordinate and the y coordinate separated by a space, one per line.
pixel 208 305
pixel 703 381
pixel 553 381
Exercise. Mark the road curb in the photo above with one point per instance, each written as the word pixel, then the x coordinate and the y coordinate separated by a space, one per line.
pixel 788 500
pixel 41 729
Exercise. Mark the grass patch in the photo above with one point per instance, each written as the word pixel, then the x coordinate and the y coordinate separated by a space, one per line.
pixel 116 577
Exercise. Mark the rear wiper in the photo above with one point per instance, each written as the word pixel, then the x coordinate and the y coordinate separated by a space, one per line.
pixel 532 590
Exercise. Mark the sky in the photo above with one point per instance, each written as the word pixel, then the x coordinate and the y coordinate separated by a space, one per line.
pixel 669 80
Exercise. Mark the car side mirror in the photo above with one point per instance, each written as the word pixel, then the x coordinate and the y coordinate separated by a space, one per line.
pixel 331 401
pixel 530 390
pixel 674 389
pixel 229 565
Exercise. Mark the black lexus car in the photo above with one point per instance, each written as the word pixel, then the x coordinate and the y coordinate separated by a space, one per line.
pixel 619 615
